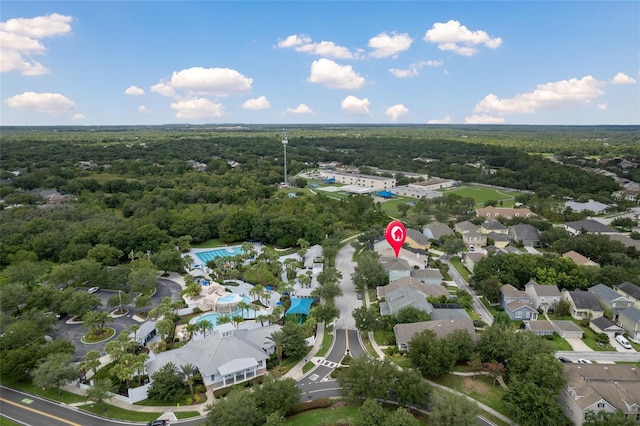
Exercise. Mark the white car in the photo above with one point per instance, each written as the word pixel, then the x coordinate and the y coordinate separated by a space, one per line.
pixel 93 290
pixel 584 361
pixel 624 342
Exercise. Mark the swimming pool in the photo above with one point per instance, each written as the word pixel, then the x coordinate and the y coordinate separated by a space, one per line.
pixel 206 256
pixel 213 316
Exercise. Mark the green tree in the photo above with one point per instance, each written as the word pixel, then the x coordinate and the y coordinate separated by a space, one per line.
pixel 189 371
pixel 237 408
pixel 367 378
pixel 430 355
pixel 295 344
pixel 120 299
pixel 453 410
pixel 369 273
pixel 91 362
pixel 367 319
pixel 460 344
pixel 278 338
pixel 54 371
pixel 411 314
pixel 167 383
pixel 168 260
pixel 99 392
pixel 602 418
pixel 105 254
pixel 79 302
pixel 276 395
pixel 529 405
pixel 95 321
pixel 371 413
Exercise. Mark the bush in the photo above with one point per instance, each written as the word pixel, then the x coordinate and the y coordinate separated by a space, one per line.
pixel 311 405
pixel 197 310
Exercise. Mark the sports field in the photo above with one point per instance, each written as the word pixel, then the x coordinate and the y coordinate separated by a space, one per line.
pixel 482 194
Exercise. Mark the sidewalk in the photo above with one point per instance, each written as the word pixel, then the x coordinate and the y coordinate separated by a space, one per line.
pixel 295 372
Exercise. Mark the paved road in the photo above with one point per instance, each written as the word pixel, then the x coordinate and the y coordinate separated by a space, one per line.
pixel 478 307
pixel 601 356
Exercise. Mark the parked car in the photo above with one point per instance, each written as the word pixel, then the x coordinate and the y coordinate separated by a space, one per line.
pixel 158 423
pixel 93 290
pixel 584 361
pixel 61 315
pixel 564 359
pixel 624 342
pixel 359 296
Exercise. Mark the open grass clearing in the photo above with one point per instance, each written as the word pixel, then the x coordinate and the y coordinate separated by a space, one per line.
pixel 326 416
pixel 482 194
pixel 480 388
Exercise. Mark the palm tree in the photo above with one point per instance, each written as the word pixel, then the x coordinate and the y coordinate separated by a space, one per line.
pixel 133 328
pixel 244 305
pixel 189 370
pixel 256 291
pixel 237 319
pixel 278 338
pixel 223 319
pixel 262 319
pixel 205 325
pixel 192 329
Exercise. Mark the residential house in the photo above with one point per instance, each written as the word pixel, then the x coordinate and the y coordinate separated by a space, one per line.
pixel 431 276
pixel 628 194
pixel 437 230
pixel 540 327
pixel 225 357
pixel 610 299
pixel 527 235
pixel 584 304
pixel 417 240
pixel 592 206
pixel 516 303
pixel 447 313
pixel 629 320
pixel 493 213
pixel 567 329
pixel 543 297
pixel 471 235
pixel 499 240
pixel 427 290
pixel 588 226
pixel 606 326
pixel 395 267
pixel 600 387
pixel 629 290
pixel 493 226
pixel 403 297
pixel 442 328
pixel 579 259
pixel 470 260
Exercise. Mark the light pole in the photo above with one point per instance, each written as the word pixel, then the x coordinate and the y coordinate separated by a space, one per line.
pixel 120 297
pixel 285 141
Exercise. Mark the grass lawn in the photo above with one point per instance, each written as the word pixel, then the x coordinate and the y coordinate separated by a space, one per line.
pixel 401 361
pixel 327 338
pixel 481 388
pixel 159 403
pixel 559 343
pixel 492 309
pixel 186 414
pixel 121 414
pixel 382 337
pixel 7 422
pixel 462 270
pixel 66 397
pixel 589 338
pixel 326 416
pixel 482 194
pixel 390 207
pixel 307 367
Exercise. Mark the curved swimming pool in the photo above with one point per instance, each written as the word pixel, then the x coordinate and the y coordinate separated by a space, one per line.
pixel 213 316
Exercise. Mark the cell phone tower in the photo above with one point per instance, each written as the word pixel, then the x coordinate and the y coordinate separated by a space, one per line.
pixel 285 141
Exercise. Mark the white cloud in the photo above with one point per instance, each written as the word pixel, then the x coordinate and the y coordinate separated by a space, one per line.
pixel 204 81
pixel 19 40
pixel 300 109
pixel 446 120
pixel 143 110
pixel 414 69
pixel 197 109
pixel 602 106
pixel 134 91
pixel 557 94
pixel 77 117
pixel 257 103
pixel 355 106
pixel 327 49
pixel 395 112
pixel 385 45
pixel 458 38
pixel 49 103
pixel 483 119
pixel 335 76
pixel 622 78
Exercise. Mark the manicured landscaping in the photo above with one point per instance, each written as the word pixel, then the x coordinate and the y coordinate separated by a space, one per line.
pixel 7 422
pixel 118 413
pixel 589 338
pixel 462 270
pixel 327 338
pixel 106 335
pixel 307 367
pixel 559 343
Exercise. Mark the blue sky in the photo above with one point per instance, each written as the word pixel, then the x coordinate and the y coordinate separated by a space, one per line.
pixel 113 62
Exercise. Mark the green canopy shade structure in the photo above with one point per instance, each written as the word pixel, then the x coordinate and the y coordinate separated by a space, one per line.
pixel 300 306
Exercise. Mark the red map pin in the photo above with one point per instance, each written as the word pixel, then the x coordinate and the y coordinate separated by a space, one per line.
pixel 396 234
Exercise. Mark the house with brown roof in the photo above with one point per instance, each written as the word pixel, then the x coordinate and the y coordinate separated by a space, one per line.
pixel 470 260
pixel 493 213
pixel 584 304
pixel 600 387
pixel 543 296
pixel 516 303
pixel 579 259
pixel 417 240
pixel 405 332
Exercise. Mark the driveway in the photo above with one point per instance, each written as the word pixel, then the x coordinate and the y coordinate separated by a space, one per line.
pixel 578 345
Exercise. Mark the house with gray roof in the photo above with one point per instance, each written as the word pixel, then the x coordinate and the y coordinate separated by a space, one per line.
pixel 629 320
pixel 403 297
pixel 584 304
pixel 567 329
pixel 437 230
pixel 493 226
pixel 540 327
pixel 417 240
pixel 426 290
pixel 470 260
pixel 592 206
pixel 395 267
pixel 431 276
pixel 517 303
pixel 606 326
pixel 629 290
pixel 449 314
pixel 526 234
pixel 499 240
pixel 543 297
pixel 471 235
pixel 442 328
pixel 610 299
pixel 588 226
pixel 223 358
pixel 600 387
pixel 627 241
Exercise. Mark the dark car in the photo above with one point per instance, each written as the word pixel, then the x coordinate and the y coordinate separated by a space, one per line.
pixel 158 423
pixel 61 315
pixel 564 359
pixel 359 296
